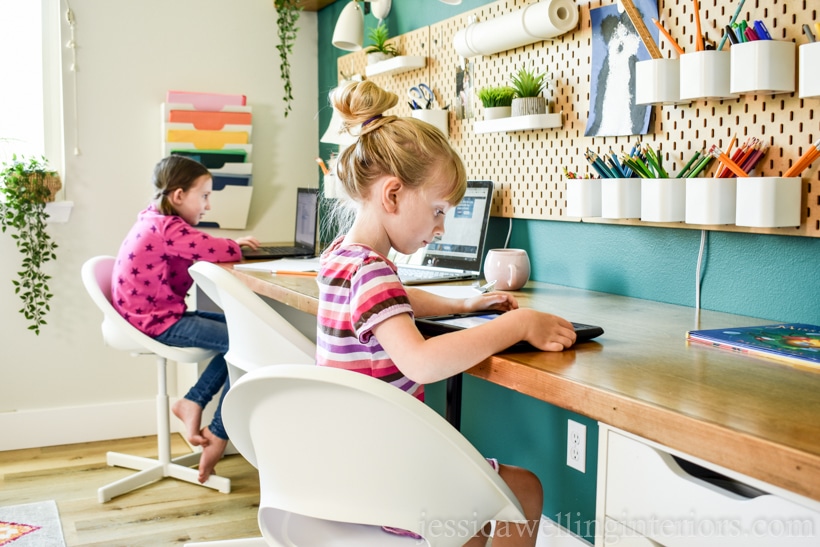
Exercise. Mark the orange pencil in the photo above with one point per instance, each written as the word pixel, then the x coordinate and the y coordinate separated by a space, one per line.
pixel 668 36
pixel 322 165
pixel 727 161
pixel 719 171
pixel 699 37
pixel 805 160
pixel 294 272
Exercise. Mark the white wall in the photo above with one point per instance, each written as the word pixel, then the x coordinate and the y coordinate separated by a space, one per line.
pixel 65 386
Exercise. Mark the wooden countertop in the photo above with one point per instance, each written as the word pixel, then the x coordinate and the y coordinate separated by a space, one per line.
pixel 756 416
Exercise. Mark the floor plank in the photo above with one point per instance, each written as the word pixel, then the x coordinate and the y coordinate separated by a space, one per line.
pixel 169 512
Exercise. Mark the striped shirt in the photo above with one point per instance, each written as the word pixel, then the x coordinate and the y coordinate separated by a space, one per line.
pixel 150 277
pixel 358 289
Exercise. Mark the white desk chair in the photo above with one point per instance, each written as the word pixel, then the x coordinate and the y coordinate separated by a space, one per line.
pixel 340 453
pixel 119 334
pixel 258 335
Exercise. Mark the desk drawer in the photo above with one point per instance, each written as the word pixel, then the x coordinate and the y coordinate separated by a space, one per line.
pixel 651 494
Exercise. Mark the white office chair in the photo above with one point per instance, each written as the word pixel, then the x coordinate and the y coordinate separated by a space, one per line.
pixel 258 335
pixel 340 454
pixel 119 334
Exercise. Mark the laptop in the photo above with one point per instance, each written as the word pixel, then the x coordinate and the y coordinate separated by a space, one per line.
pixel 434 326
pixel 458 253
pixel 307 213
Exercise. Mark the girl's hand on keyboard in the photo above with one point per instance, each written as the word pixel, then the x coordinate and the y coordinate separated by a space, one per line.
pixel 501 301
pixel 248 241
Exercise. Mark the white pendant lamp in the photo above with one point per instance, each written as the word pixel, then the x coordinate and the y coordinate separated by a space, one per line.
pixel 349 31
pixel 451 2
pixel 381 9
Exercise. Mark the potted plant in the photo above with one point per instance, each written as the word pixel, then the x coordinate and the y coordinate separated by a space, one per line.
pixel 528 87
pixel 497 101
pixel 380 50
pixel 25 187
pixel 287 13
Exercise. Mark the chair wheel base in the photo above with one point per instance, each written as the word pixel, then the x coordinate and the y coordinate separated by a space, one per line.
pixel 151 470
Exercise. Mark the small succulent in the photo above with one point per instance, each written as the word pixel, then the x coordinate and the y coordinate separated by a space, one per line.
pixel 379 36
pixel 496 96
pixel 527 83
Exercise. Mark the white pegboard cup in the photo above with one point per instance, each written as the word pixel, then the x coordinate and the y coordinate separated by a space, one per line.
pixel 657 81
pixel 809 76
pixel 438 118
pixel 768 202
pixel 705 75
pixel 621 198
pixel 762 66
pixel 663 200
pixel 711 200
pixel 583 197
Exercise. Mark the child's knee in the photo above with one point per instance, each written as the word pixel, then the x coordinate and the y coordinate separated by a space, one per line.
pixel 524 483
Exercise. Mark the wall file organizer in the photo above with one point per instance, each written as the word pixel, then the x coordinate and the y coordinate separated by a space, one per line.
pixel 528 164
pixel 215 130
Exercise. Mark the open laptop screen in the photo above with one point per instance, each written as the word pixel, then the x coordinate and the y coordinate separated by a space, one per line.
pixel 306 211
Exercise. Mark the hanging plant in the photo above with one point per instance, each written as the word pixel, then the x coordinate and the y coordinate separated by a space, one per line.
pixel 25 187
pixel 287 13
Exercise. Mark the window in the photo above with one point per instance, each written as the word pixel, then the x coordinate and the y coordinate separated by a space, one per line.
pixel 30 95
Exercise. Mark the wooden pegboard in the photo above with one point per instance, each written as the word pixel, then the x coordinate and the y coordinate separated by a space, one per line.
pixel 527 166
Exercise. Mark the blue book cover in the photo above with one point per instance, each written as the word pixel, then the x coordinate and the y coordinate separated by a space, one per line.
pixel 793 342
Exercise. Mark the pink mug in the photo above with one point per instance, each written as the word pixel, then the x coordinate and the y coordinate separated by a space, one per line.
pixel 509 268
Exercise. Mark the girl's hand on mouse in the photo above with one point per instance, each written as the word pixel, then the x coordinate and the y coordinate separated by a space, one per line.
pixel 490 301
pixel 248 241
pixel 547 332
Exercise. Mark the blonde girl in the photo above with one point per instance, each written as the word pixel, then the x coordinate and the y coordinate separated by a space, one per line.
pixel 401 178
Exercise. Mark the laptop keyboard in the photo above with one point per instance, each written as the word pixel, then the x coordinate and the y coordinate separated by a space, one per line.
pixel 411 274
pixel 276 251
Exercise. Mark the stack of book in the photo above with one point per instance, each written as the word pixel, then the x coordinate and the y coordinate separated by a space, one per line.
pixel 214 129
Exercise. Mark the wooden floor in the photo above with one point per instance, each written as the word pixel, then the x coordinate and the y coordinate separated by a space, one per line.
pixel 169 512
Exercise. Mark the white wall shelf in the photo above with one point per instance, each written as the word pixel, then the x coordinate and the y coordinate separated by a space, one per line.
pixel 59 211
pixel 396 65
pixel 519 123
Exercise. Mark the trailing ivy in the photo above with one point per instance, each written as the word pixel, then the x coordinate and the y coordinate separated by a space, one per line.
pixel 23 196
pixel 287 14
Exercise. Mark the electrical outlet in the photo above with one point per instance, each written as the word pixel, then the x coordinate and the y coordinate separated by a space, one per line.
pixel 576 445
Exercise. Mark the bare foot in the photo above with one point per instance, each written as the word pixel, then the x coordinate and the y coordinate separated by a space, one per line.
pixel 191 415
pixel 211 453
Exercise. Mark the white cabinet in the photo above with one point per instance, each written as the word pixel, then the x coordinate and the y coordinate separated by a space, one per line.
pixel 650 495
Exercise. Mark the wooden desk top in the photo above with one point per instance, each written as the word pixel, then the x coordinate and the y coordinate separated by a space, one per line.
pixel 753 415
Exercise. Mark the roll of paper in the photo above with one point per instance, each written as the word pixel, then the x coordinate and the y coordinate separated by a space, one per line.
pixel 533 23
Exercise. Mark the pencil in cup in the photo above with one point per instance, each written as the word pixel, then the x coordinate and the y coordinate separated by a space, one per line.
pixel 698 31
pixel 805 160
pixel 731 22
pixel 668 36
pixel 727 161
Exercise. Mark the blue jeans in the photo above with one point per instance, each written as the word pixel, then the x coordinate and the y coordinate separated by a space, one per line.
pixel 202 329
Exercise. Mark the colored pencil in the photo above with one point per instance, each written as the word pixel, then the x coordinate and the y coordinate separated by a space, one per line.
pixel 688 165
pixel 720 169
pixel 805 160
pixel 727 161
pixel 699 35
pixel 668 36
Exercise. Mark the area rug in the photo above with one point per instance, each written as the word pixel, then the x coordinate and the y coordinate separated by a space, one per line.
pixel 31 525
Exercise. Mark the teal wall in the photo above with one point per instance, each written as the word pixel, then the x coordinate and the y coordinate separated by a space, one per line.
pixel 773 277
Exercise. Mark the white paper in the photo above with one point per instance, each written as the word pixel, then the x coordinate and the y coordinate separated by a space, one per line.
pixel 282 264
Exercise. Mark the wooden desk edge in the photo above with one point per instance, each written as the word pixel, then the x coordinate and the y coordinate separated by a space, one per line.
pixel 785 467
